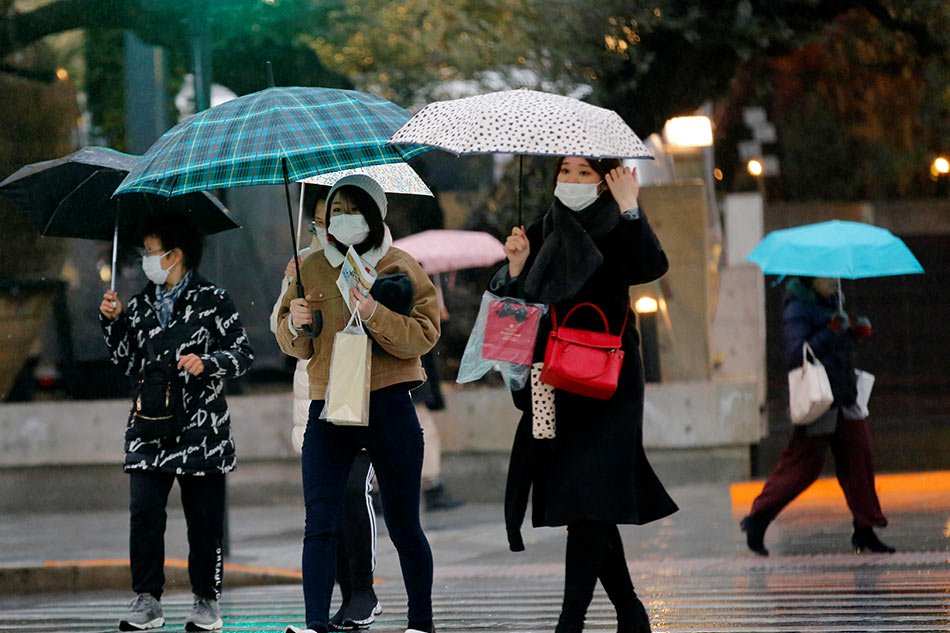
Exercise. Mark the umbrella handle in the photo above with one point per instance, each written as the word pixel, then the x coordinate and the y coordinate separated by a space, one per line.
pixel 314 329
pixel 520 185
pixel 115 249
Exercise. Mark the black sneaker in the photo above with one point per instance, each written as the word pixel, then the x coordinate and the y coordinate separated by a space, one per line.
pixel 349 618
pixel 436 498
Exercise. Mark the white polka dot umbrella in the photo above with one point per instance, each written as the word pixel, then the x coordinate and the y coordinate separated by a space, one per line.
pixel 393 178
pixel 522 122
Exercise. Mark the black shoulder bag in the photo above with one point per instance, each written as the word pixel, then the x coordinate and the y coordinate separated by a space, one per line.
pixel 157 409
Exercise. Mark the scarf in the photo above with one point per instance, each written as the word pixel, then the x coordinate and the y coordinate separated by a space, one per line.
pixel 165 300
pixel 568 256
pixel 370 257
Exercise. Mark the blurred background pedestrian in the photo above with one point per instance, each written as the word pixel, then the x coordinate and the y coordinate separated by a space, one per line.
pixel 812 315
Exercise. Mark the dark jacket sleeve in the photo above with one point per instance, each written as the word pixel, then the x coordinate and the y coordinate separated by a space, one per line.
pixel 233 355
pixel 799 327
pixel 122 345
pixel 649 260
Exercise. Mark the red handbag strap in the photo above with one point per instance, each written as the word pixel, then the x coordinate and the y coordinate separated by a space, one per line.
pixel 603 316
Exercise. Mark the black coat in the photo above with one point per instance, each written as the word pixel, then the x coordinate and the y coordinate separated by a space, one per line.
pixel 595 468
pixel 204 322
pixel 805 318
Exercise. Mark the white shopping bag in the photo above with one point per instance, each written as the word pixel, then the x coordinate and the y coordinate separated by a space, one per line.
pixel 865 385
pixel 348 388
pixel 809 391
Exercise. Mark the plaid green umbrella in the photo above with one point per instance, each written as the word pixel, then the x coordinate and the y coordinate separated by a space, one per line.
pixel 274 136
pixel 242 142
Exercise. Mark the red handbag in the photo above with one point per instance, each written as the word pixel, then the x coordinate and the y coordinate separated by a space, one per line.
pixel 582 361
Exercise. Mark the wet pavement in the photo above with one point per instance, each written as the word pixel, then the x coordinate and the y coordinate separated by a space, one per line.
pixel 691 570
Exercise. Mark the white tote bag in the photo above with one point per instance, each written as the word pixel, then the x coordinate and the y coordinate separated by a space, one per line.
pixel 865 382
pixel 809 392
pixel 348 387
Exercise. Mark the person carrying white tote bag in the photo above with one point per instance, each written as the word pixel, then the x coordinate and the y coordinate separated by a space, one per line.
pixel 809 391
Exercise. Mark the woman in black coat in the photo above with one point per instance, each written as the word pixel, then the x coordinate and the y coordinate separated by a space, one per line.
pixel 185 331
pixel 811 315
pixel 591 246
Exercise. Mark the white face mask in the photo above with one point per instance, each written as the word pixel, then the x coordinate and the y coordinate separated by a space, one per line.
pixel 152 267
pixel 576 196
pixel 319 236
pixel 349 229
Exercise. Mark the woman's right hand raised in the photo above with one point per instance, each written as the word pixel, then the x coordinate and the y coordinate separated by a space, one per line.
pixel 517 250
pixel 300 313
pixel 111 306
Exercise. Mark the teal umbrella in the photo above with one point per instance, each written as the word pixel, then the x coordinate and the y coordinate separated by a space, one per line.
pixel 849 250
pixel 839 249
pixel 252 139
pixel 274 136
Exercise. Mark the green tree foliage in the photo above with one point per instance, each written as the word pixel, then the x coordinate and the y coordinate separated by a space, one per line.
pixel 404 49
pixel 861 110
pixel 646 60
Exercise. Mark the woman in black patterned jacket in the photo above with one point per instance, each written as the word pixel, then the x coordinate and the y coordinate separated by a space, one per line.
pixel 185 324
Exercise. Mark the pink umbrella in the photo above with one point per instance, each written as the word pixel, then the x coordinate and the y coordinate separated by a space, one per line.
pixel 441 251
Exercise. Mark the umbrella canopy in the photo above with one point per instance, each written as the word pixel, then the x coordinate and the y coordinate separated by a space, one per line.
pixel 253 139
pixel 849 250
pixel 393 178
pixel 441 251
pixel 522 122
pixel 71 196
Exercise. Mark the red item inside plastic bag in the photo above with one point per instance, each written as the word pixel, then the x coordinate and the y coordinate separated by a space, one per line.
pixel 510 331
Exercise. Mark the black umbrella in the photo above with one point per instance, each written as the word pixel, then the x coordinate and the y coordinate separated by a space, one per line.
pixel 72 197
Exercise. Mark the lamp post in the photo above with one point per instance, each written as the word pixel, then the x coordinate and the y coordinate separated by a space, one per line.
pixel 940 173
pixel 646 309
pixel 689 139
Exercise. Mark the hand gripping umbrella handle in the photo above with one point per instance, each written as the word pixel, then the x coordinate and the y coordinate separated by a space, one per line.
pixel 313 330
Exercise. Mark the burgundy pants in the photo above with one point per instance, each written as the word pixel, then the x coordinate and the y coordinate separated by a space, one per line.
pixel 801 464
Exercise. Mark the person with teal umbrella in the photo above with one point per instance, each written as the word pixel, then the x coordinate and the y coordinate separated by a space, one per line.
pixel 816 257
pixel 811 315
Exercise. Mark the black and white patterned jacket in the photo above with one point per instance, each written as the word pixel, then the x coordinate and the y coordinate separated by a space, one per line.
pixel 204 322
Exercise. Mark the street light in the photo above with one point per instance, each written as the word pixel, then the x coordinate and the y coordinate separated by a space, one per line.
pixel 940 167
pixel 646 305
pixel 646 308
pixel 689 139
pixel 754 167
pixel 688 132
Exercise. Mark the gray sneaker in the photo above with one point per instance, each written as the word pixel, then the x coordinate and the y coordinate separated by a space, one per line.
pixel 145 612
pixel 205 616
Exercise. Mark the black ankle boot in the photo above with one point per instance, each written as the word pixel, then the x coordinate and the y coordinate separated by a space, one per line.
pixel 864 539
pixel 637 621
pixel 754 535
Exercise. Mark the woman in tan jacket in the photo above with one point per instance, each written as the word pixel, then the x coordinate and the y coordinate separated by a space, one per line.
pixel 393 438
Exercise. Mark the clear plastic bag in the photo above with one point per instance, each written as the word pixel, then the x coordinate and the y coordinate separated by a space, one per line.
pixel 348 386
pixel 502 339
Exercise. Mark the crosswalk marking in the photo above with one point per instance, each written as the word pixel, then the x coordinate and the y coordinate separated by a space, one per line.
pixel 814 594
